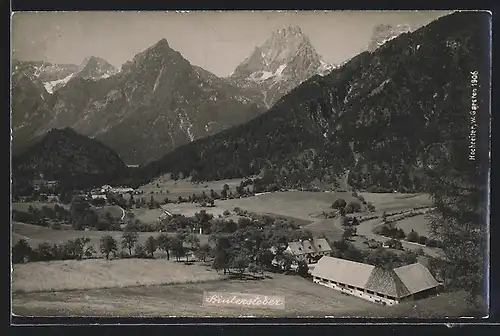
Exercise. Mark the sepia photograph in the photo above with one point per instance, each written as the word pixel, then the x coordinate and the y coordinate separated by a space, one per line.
pixel 295 164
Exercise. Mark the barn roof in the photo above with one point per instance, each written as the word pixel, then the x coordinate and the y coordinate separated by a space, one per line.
pixel 416 277
pixel 399 282
pixel 343 271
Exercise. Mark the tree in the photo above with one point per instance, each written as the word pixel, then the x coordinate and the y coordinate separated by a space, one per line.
pixel 355 206
pixel 342 211
pixel 178 247
pixel 21 251
pixel 303 269
pixel 108 245
pixel 371 207
pixel 129 239
pixel 339 203
pixel 348 233
pixel 222 254
pixel 151 245
pixel 203 252
pixel 240 263
pixel 140 251
pixel 165 244
pixel 193 242
pixel 400 234
pixel 413 236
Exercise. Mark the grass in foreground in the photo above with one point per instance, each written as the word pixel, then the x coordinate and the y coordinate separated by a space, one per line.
pixel 99 273
pixel 302 298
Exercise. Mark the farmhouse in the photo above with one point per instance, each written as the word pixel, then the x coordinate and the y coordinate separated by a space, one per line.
pixel 309 250
pixel 387 287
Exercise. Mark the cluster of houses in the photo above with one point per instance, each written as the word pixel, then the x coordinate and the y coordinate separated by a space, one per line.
pixel 375 284
pixel 107 189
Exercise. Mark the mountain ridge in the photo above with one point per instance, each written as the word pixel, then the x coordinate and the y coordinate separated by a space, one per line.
pixel 372 117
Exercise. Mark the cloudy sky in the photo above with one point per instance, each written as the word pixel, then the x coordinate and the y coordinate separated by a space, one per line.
pixel 216 41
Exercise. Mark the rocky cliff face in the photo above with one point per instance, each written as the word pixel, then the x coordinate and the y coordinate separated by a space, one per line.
pixel 284 61
pixel 157 102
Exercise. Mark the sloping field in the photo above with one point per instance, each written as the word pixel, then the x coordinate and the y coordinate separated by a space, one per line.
pixel 148 216
pixel 184 188
pixel 302 298
pixel 420 224
pixel 297 204
pixel 99 273
pixel 24 206
pixel 190 209
pixel 326 227
pixel 395 202
pixel 114 210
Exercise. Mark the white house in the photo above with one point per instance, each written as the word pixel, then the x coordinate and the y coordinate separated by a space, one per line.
pixel 387 287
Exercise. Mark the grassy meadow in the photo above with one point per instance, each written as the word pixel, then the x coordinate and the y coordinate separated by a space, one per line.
pixel 64 275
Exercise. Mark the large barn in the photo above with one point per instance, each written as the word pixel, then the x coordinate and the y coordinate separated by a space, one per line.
pixel 375 284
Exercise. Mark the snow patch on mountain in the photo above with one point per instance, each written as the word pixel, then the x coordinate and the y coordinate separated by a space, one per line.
pixel 158 79
pixel 50 86
pixel 186 125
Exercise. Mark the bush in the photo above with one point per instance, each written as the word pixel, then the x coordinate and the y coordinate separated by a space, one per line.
pixel 355 206
pixel 413 237
pixel 422 240
pixel 431 242
pixel 339 203
pixel 226 213
pixel 140 251
pixel 401 234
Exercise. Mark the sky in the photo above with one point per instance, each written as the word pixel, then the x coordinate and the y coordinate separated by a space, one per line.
pixel 216 41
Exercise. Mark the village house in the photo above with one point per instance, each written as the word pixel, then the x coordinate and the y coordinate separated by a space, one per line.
pixel 309 250
pixel 116 190
pixel 376 284
pixel 44 184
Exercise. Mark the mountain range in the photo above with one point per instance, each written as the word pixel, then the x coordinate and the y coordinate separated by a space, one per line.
pixel 158 101
pixel 379 122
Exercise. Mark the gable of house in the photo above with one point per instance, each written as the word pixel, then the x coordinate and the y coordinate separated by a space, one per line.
pixel 321 245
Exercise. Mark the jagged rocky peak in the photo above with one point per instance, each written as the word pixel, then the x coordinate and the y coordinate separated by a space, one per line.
pixel 94 67
pixel 386 32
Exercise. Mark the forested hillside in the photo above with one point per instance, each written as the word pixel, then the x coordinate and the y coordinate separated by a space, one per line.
pixel 382 119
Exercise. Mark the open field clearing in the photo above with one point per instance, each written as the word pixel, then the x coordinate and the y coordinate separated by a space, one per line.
pixel 190 209
pixel 326 227
pixel 148 216
pixel 114 210
pixel 99 273
pixel 302 298
pixel 159 187
pixel 37 234
pixel 396 202
pixel 24 206
pixel 420 224
pixel 297 204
